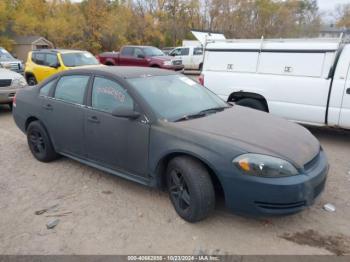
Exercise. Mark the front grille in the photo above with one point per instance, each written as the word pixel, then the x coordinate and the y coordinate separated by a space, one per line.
pixel 177 62
pixel 5 82
pixel 280 206
pixel 15 66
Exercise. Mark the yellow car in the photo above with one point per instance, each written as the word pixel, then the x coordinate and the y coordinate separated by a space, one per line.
pixel 43 63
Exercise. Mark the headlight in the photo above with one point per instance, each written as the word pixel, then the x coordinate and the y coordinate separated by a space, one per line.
pixel 264 166
pixel 6 65
pixel 19 82
pixel 167 63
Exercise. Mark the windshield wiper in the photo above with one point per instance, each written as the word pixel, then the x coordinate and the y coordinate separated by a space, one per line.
pixel 213 110
pixel 202 113
pixel 192 116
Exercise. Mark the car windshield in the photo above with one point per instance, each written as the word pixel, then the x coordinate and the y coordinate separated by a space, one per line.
pixel 174 97
pixel 152 51
pixel 79 59
pixel 5 56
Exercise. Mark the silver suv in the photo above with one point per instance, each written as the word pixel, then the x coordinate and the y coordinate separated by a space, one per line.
pixel 9 62
pixel 10 83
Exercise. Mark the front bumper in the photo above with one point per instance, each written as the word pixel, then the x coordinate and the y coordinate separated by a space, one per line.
pixel 7 95
pixel 174 68
pixel 276 196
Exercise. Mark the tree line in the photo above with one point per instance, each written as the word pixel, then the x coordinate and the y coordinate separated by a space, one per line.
pixel 99 25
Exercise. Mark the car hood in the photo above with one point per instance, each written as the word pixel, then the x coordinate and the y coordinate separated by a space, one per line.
pixel 86 66
pixel 259 132
pixel 163 58
pixel 8 74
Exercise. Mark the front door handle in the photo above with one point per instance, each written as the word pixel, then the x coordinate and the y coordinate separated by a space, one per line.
pixel 348 91
pixel 48 107
pixel 93 119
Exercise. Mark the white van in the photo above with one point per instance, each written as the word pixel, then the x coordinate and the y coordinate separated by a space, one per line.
pixel 191 56
pixel 306 81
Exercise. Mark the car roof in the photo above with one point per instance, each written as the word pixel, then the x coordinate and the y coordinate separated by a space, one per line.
pixel 125 72
pixel 58 50
pixel 141 46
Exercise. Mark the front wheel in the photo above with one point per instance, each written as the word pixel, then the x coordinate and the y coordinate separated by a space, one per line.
pixel 39 143
pixel 190 189
pixel 31 80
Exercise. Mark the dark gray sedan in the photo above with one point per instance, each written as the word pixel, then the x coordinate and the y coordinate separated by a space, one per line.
pixel 164 130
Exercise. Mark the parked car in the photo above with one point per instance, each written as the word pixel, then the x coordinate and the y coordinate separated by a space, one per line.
pixel 191 56
pixel 43 63
pixel 147 56
pixel 9 62
pixel 10 83
pixel 301 80
pixel 162 129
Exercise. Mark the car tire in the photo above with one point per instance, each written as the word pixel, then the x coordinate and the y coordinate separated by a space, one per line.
pixel 31 80
pixel 190 188
pixel 252 103
pixel 39 143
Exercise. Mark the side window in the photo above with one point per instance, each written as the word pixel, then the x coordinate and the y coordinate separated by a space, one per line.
pixel 176 52
pixel 38 58
pixel 108 95
pixel 72 88
pixel 138 52
pixel 45 90
pixel 198 51
pixel 185 51
pixel 128 51
pixel 51 60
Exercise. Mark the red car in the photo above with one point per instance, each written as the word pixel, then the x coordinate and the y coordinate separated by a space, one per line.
pixel 147 56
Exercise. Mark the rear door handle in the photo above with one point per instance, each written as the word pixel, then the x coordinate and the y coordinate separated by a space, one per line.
pixel 348 91
pixel 93 119
pixel 48 107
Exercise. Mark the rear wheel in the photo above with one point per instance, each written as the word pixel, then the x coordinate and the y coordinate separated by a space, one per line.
pixel 190 188
pixel 39 143
pixel 252 103
pixel 31 80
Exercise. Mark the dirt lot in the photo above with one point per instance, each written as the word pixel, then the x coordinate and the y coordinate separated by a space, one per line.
pixel 104 214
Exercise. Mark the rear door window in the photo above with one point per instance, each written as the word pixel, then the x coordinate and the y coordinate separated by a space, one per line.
pixel 107 95
pixel 127 51
pixel 72 88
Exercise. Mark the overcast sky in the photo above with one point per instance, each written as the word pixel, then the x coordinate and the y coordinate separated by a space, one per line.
pixel 329 5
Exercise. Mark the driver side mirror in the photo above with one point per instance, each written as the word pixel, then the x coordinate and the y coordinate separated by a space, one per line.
pixel 141 56
pixel 125 112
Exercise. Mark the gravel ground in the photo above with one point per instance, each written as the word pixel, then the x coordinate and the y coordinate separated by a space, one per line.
pixel 103 214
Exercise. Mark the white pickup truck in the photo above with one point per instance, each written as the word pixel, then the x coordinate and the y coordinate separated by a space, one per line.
pixel 307 81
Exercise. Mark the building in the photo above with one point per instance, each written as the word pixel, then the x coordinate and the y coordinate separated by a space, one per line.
pixel 24 44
